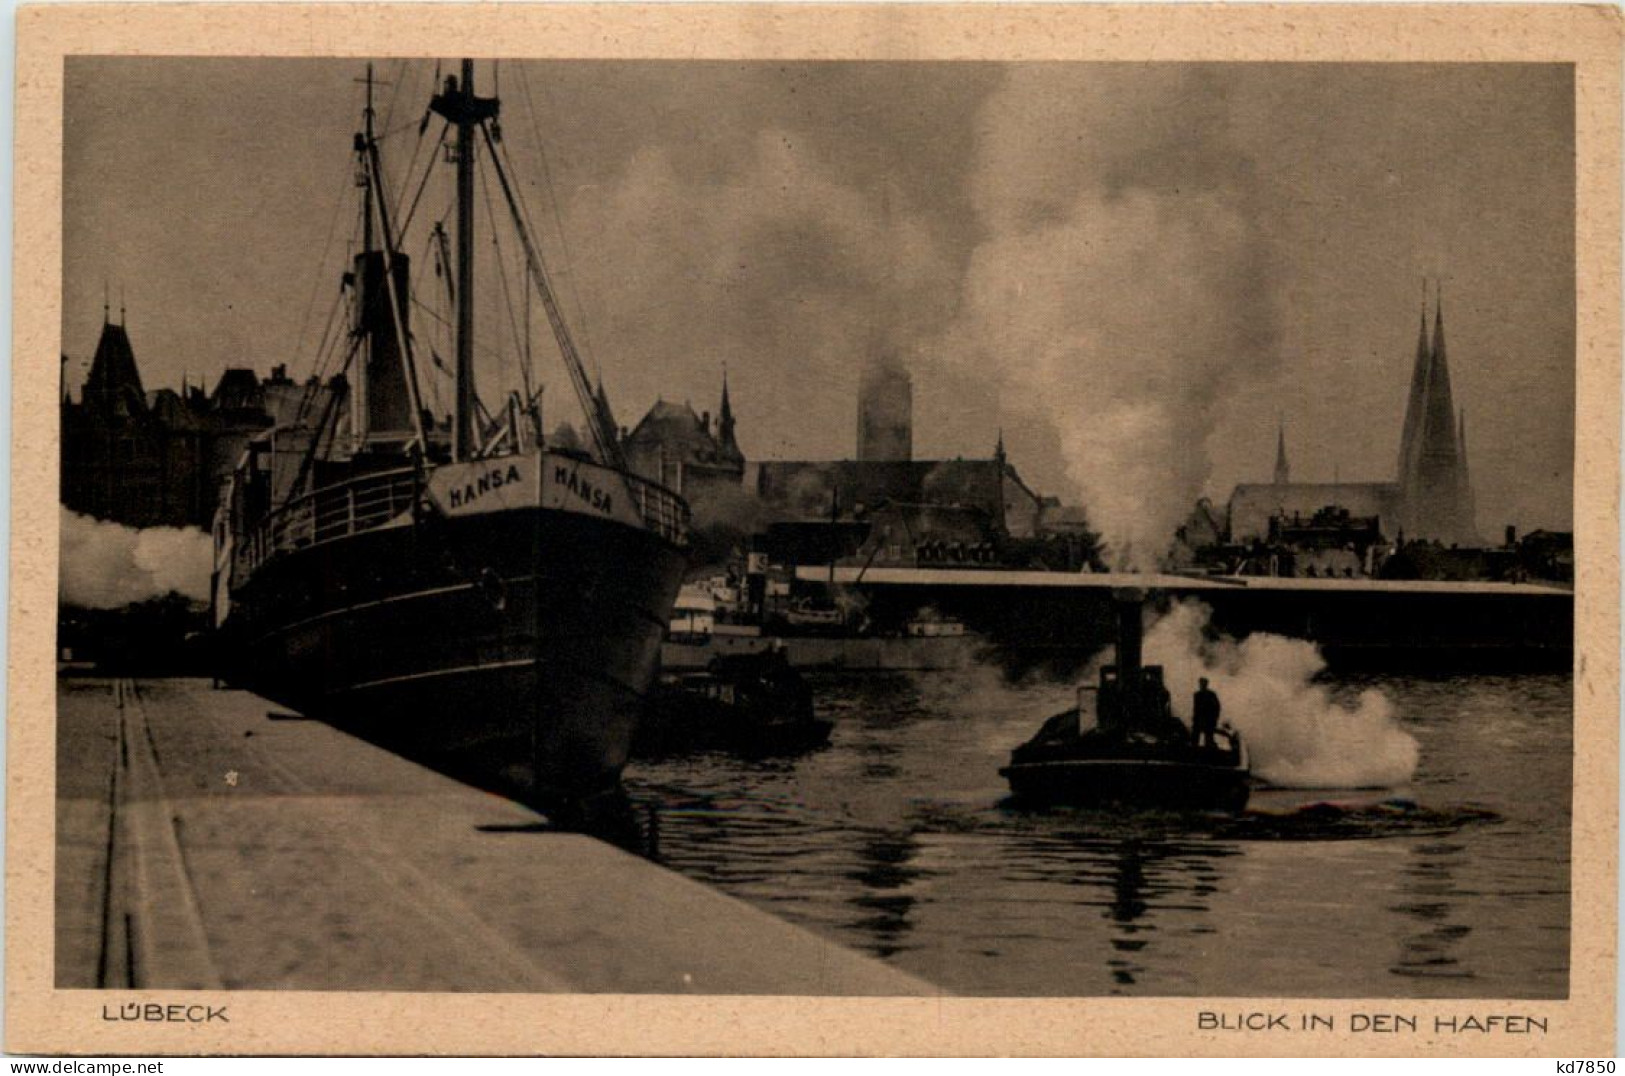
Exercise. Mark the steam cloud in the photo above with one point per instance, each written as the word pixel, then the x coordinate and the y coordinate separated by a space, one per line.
pixel 811 494
pixel 723 519
pixel 1103 271
pixel 106 565
pixel 1124 287
pixel 800 275
pixel 1298 735
pixel 730 508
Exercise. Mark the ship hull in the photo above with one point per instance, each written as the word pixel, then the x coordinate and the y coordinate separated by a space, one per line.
pixel 516 645
pixel 1175 784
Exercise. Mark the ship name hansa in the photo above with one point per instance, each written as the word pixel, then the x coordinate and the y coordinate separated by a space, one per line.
pixel 596 496
pixel 493 479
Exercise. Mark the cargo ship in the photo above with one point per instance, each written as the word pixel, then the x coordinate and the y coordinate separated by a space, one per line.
pixel 463 586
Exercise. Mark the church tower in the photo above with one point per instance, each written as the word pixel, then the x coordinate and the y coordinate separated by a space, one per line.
pixel 885 411
pixel 1434 489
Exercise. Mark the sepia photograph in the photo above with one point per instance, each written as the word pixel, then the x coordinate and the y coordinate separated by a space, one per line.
pixel 821 527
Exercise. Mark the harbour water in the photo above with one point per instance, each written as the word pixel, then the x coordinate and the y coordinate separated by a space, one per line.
pixel 896 840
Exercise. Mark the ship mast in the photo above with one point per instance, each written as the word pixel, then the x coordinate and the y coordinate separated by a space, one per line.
pixel 358 408
pixel 474 117
pixel 465 434
pixel 466 112
pixel 387 410
pixel 366 180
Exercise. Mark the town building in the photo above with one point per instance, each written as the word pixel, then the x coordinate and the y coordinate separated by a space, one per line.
pixel 883 506
pixel 159 459
pixel 689 453
pixel 126 457
pixel 991 490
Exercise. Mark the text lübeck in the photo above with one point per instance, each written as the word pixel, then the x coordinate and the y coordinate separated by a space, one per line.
pixel 153 1013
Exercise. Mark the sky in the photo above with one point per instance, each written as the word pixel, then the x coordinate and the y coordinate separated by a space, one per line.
pixel 1134 271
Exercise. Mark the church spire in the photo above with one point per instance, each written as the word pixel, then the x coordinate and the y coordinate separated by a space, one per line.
pixel 725 419
pixel 1436 441
pixel 1416 403
pixel 1434 488
pixel 1438 327
pixel 1461 445
pixel 1283 472
pixel 1469 506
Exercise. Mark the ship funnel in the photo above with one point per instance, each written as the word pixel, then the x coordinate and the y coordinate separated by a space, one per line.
pixel 384 389
pixel 1129 604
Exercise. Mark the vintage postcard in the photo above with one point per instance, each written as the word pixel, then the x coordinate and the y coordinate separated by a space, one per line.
pixel 878 529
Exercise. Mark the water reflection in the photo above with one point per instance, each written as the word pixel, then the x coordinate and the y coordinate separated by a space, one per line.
pixel 1149 884
pixel 1128 905
pixel 1430 898
pixel 896 841
pixel 883 874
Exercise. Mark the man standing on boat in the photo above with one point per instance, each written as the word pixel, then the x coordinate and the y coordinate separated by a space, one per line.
pixel 1204 715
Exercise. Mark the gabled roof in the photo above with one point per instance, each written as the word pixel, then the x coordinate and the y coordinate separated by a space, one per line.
pixel 170 410
pixel 677 431
pixel 114 382
pixel 238 389
pixel 668 421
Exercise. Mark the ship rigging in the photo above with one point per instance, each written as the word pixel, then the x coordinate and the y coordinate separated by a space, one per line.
pixel 382 358
pixel 464 586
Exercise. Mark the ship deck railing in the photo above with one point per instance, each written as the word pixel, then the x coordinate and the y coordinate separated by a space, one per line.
pixel 368 501
pixel 334 512
pixel 662 511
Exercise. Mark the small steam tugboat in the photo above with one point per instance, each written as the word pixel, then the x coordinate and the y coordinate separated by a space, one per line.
pixel 1137 755
pixel 754 705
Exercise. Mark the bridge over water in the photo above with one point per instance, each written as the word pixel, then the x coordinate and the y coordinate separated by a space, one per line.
pixel 1421 623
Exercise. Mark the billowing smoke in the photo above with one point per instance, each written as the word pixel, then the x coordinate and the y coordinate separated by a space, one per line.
pixel 107 565
pixel 722 504
pixel 1124 285
pixel 1298 734
pixel 1104 274
pixel 945 484
pixel 724 517
pixel 811 494
pixel 777 266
